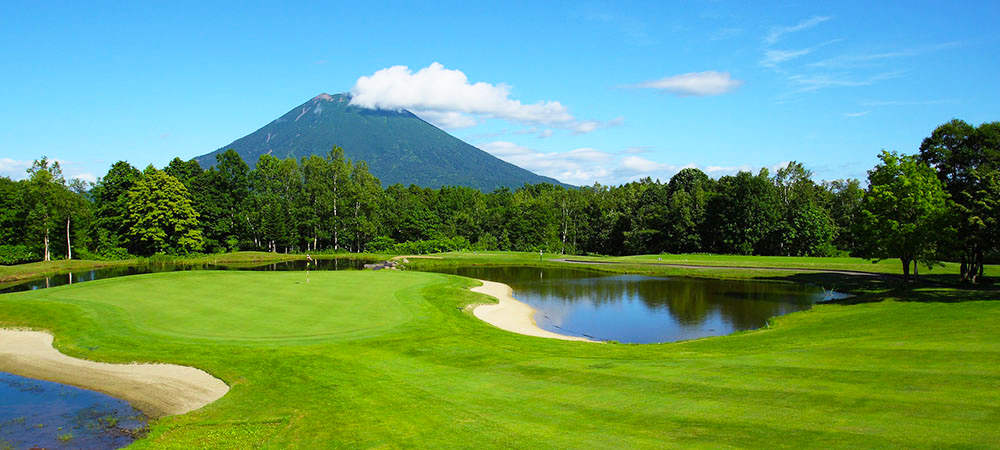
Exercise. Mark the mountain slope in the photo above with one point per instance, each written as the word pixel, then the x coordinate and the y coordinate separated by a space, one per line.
pixel 398 146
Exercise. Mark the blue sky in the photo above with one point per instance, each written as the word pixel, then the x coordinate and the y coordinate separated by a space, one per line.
pixel 582 91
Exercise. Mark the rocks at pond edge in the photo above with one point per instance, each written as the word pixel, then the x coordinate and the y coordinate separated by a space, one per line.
pixel 393 265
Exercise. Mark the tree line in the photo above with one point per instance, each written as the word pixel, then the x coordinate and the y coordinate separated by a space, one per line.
pixel 942 203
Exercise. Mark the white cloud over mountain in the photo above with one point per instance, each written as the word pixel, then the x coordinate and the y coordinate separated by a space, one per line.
pixel 446 98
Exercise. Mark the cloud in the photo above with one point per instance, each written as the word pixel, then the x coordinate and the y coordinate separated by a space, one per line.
pixel 694 84
pixel 18 170
pixel 774 57
pixel 856 114
pixel 777 32
pixel 447 119
pixel 590 125
pixel 816 82
pixel 718 171
pixel 578 166
pixel 86 176
pixel 444 96
pixel 14 169
pixel 586 166
pixel 868 59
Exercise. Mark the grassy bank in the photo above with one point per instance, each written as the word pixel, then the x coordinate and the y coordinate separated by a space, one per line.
pixel 392 360
pixel 14 273
pixel 806 263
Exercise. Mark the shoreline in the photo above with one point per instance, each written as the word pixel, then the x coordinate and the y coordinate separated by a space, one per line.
pixel 158 390
pixel 512 315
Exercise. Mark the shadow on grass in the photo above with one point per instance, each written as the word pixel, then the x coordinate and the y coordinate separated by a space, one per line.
pixel 937 288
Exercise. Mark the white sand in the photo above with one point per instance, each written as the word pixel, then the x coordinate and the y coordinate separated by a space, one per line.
pixel 156 389
pixel 512 315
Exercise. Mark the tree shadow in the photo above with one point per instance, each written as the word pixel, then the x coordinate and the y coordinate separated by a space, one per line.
pixel 868 289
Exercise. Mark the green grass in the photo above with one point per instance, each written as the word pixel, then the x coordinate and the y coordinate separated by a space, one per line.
pixel 13 274
pixel 889 266
pixel 392 360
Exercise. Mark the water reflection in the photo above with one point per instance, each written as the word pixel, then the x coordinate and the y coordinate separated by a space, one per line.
pixel 643 309
pixel 43 414
pixel 120 271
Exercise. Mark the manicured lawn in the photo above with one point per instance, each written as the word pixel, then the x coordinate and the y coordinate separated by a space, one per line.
pixel 889 266
pixel 392 360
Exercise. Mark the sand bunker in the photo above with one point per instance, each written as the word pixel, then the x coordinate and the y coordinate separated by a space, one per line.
pixel 156 389
pixel 512 315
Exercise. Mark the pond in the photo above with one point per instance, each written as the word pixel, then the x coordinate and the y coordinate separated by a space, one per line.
pixel 645 309
pixel 120 271
pixel 42 414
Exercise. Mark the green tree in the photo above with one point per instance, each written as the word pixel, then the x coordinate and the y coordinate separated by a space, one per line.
pixel 967 161
pixel 340 179
pixel 805 228
pixel 160 215
pixel 109 226
pixel 743 214
pixel 277 202
pixel 47 202
pixel 688 191
pixel 183 171
pixel 843 202
pixel 905 210
pixel 317 178
pixel 367 203
pixel 226 215
pixel 12 211
pixel 648 232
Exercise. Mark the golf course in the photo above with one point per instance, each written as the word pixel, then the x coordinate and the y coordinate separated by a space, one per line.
pixel 396 359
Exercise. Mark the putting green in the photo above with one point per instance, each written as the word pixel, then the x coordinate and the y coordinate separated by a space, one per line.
pixel 395 360
pixel 253 306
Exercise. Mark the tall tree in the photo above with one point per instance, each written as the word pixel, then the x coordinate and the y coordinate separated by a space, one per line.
pixel 805 228
pixel 967 160
pixel 13 210
pixel 648 233
pixel 843 202
pixel 277 202
pixel 367 202
pixel 227 207
pixel 161 217
pixel 317 176
pixel 46 197
pixel 688 191
pixel 905 211
pixel 340 178
pixel 743 213
pixel 183 171
pixel 110 195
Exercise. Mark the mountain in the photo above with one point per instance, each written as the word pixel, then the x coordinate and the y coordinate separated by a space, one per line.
pixel 398 146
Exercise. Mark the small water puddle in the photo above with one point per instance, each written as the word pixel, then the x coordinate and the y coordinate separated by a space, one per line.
pixel 43 414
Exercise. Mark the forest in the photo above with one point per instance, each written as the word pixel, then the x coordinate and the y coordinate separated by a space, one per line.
pixel 940 204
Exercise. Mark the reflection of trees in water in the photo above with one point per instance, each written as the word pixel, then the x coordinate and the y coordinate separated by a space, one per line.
pixel 744 304
pixel 120 271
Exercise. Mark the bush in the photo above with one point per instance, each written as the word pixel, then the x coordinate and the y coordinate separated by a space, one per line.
pixel 381 244
pixel 16 254
pixel 457 243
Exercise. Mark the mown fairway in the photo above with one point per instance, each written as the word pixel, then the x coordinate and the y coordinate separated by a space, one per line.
pixel 391 359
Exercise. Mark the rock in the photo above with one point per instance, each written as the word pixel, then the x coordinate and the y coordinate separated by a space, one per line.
pixel 383 265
